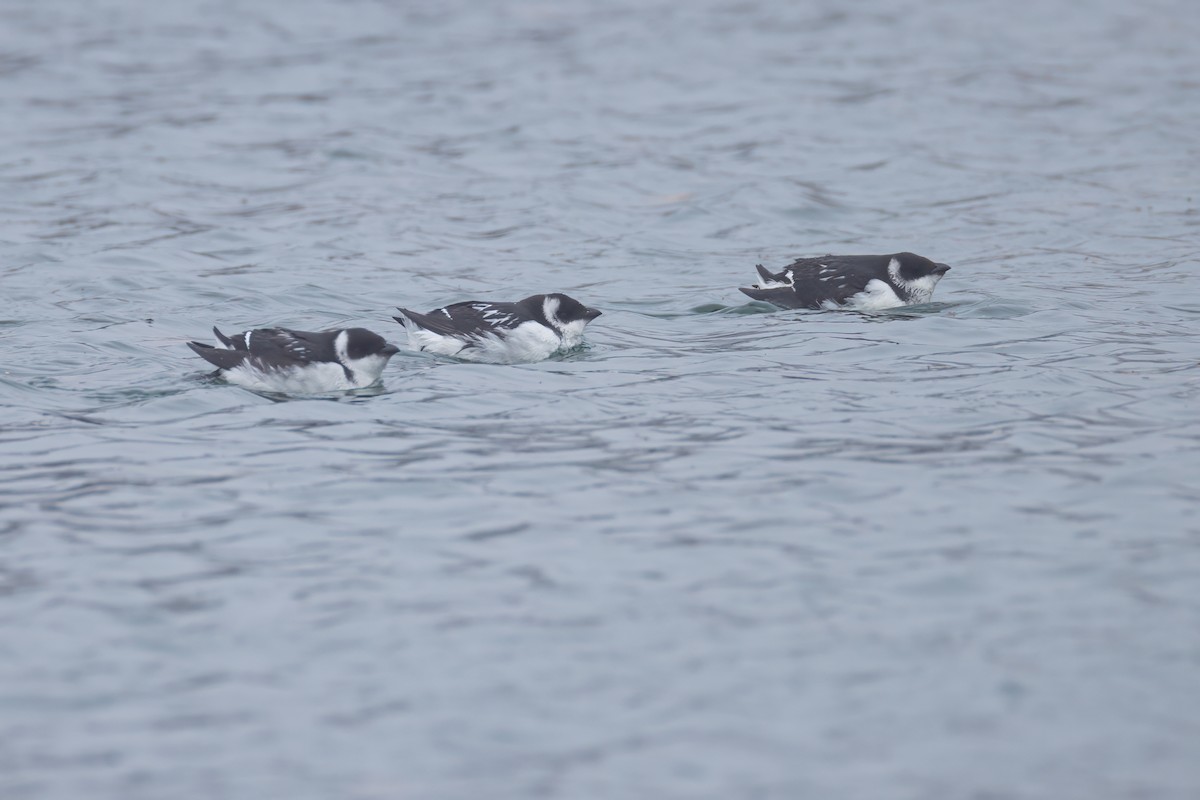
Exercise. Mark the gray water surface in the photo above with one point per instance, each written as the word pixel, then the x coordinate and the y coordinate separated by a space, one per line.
pixel 723 551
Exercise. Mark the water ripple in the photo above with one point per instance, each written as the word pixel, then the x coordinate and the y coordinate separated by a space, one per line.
pixel 724 549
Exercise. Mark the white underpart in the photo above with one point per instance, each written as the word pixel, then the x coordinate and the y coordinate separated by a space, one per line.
pixel 570 333
pixel 876 296
pixel 316 377
pixel 529 341
pixel 524 343
pixel 879 295
pixel 247 337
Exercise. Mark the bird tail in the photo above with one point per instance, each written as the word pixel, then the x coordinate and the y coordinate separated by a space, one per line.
pixel 757 293
pixel 222 338
pixel 222 359
pixel 772 281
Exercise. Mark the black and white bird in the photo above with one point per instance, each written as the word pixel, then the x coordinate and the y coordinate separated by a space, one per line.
pixel 859 283
pixel 500 333
pixel 299 362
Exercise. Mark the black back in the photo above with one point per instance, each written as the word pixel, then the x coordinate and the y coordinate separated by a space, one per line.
pixel 471 319
pixel 276 348
pixel 815 281
pixel 818 280
pixel 474 319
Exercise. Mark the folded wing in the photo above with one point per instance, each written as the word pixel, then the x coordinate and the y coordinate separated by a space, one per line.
pixel 267 348
pixel 463 320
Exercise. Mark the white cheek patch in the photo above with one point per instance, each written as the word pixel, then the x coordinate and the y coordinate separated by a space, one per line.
pixel 340 345
pixel 550 311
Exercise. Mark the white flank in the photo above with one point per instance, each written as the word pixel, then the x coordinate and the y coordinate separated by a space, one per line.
pixel 876 296
pixel 528 342
pixel 420 339
pixel 315 378
pixel 430 342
